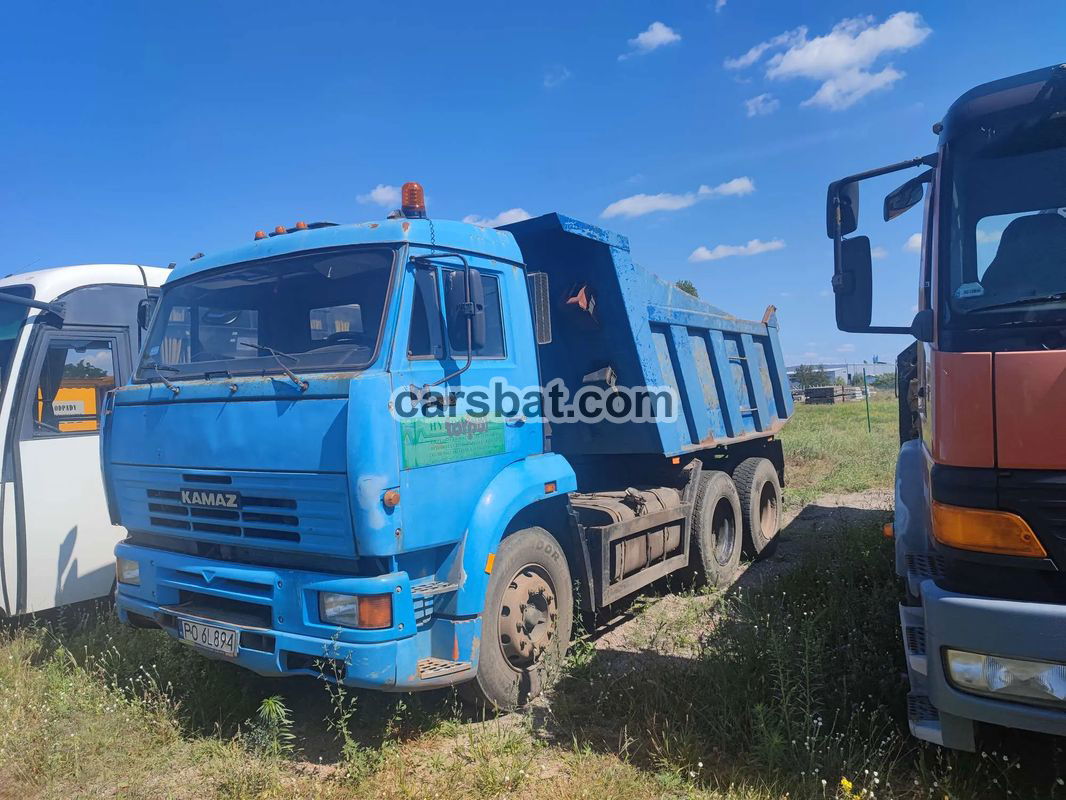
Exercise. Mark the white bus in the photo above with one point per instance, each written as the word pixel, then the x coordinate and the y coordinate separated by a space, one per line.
pixel 68 335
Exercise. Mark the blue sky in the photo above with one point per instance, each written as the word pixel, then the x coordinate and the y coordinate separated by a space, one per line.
pixel 148 131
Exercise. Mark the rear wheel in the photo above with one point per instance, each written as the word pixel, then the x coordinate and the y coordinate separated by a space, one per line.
pixel 760 504
pixel 717 529
pixel 525 629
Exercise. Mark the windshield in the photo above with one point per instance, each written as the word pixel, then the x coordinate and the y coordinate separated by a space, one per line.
pixel 1005 235
pixel 313 311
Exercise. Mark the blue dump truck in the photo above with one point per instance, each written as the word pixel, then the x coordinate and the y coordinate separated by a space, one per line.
pixel 403 454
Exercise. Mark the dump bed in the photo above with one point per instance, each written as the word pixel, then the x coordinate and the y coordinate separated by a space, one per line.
pixel 614 322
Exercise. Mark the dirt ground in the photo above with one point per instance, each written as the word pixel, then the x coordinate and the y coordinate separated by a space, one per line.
pixel 661 625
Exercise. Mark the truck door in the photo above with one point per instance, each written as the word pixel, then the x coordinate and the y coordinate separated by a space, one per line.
pixel 68 539
pixel 449 456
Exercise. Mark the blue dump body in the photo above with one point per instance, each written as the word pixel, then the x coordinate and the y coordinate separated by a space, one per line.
pixel 284 513
pixel 728 373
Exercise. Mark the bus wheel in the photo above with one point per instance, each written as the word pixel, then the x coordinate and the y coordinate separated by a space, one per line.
pixel 717 529
pixel 760 504
pixel 526 624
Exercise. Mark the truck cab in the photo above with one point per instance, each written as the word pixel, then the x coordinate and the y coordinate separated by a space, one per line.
pixel 311 484
pixel 68 336
pixel 981 475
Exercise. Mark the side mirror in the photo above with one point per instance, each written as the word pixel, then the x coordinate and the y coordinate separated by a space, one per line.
pixel 906 196
pixel 541 306
pixel 464 294
pixel 145 308
pixel 922 326
pixel 845 196
pixel 853 285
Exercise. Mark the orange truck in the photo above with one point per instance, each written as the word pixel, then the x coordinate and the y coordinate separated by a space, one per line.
pixel 980 505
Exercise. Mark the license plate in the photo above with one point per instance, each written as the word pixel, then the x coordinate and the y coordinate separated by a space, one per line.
pixel 209 637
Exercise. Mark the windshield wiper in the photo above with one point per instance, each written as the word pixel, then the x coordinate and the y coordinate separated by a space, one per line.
pixel 278 355
pixel 1022 301
pixel 159 368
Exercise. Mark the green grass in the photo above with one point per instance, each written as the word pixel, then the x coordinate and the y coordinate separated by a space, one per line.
pixel 752 695
pixel 828 448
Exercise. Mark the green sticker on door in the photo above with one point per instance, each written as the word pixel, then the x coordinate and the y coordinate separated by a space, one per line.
pixel 439 441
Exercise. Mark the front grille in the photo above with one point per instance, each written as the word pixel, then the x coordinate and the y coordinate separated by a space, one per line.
pixel 300 512
pixel 249 522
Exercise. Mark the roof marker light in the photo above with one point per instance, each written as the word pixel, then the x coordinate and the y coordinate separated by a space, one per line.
pixel 280 229
pixel 413 200
pixel 260 235
pixel 301 226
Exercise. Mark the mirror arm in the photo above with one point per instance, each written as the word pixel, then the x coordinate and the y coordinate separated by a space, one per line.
pixel 929 160
pixel 427 259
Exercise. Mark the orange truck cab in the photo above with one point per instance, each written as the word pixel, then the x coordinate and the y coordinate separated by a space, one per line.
pixel 980 506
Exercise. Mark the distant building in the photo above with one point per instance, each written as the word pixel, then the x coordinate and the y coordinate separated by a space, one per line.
pixel 845 371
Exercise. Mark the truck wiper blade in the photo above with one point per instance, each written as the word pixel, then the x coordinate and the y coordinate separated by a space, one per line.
pixel 1022 301
pixel 278 355
pixel 159 369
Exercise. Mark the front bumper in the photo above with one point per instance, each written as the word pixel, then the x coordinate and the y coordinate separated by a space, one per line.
pixel 943 714
pixel 276 613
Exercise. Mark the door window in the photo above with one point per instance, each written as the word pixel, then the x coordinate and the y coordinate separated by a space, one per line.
pixel 494 344
pixel 425 338
pixel 75 375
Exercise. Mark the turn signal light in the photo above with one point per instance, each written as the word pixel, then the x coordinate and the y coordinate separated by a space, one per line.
pixel 391 498
pixel 413 200
pixel 375 611
pixel 985 531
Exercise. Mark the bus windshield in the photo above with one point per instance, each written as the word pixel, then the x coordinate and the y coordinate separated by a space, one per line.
pixel 311 311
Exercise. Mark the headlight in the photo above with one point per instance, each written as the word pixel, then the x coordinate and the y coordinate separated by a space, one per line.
pixel 355 611
pixel 128 572
pixel 1009 678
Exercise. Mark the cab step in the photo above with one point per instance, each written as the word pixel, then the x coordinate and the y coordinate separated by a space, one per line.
pixel 434 587
pixel 429 668
pixel 912 621
pixel 924 719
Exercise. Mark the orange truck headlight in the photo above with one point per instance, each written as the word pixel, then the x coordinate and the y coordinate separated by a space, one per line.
pixel 355 611
pixel 999 532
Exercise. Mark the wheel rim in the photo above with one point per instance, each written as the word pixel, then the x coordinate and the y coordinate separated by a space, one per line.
pixel 768 510
pixel 724 526
pixel 528 616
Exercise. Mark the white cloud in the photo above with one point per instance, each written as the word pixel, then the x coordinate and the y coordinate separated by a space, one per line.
pixel 719 5
pixel 639 204
pixel 788 38
pixel 988 237
pixel 382 195
pixel 657 35
pixel 879 252
pixel 762 104
pixel 810 354
pixel 752 248
pixel 846 348
pixel 913 243
pixel 841 59
pixel 850 87
pixel 503 218
pixel 556 76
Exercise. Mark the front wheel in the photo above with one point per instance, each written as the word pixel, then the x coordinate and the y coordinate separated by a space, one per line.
pixel 525 628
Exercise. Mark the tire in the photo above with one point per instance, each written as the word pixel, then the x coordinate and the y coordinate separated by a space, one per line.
pixel 521 656
pixel 760 504
pixel 717 530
